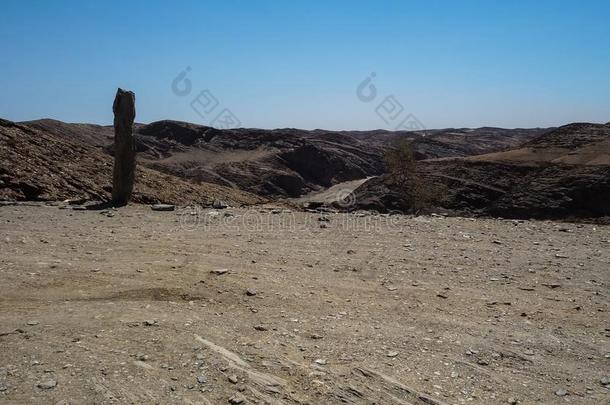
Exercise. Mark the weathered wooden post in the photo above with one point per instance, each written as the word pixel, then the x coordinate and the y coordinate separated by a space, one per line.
pixel 124 109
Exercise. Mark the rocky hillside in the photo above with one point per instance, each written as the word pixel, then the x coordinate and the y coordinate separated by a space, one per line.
pixel 564 175
pixel 580 143
pixel 39 165
pixel 282 162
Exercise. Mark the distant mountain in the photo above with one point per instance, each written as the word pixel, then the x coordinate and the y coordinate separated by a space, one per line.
pixel 581 143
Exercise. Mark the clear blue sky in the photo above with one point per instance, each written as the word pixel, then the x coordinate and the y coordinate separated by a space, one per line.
pixel 298 63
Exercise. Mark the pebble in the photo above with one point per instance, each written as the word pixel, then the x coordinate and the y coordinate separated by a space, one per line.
pixel 512 401
pixel 201 379
pixel 251 292
pixel 321 362
pixel 219 204
pixel 32 323
pixel 392 354
pixel 561 392
pixel 237 399
pixel 219 272
pixel 163 207
pixel 261 328
pixel 47 385
pixel 233 379
pixel 604 381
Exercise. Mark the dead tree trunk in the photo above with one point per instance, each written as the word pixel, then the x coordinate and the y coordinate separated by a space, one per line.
pixel 123 176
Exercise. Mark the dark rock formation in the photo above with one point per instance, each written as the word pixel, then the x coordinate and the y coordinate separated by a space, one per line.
pixel 124 109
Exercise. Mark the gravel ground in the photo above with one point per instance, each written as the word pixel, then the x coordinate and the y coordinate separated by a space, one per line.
pixel 272 306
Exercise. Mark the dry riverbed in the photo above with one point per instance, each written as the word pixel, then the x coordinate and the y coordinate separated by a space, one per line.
pixel 272 306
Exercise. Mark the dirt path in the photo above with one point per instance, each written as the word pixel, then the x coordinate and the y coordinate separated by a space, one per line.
pixel 363 310
pixel 336 193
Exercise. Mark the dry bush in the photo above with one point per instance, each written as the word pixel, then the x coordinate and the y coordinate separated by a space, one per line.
pixel 417 194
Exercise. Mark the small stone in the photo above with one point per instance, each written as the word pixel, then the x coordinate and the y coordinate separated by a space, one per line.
pixel 233 379
pixel 561 392
pixel 163 207
pixel 315 336
pixel 251 292
pixel 219 272
pixel 32 323
pixel 219 204
pixel 150 322
pixel 201 379
pixel 552 285
pixel 604 381
pixel 142 357
pixel 237 399
pixel 47 385
pixel 392 354
pixel 442 295
pixel 483 362
pixel 512 401
pixel 261 328
pixel 321 362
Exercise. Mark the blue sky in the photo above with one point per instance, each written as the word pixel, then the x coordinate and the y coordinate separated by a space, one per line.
pixel 299 63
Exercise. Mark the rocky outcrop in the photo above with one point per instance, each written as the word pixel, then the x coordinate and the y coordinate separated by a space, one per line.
pixel 124 109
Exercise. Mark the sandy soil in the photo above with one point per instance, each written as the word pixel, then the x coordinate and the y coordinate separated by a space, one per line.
pixel 123 307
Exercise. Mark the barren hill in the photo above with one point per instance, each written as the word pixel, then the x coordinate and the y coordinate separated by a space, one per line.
pixel 579 143
pixel 564 173
pixel 39 165
pixel 282 162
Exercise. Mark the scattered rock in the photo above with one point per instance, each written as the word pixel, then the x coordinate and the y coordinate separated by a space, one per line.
pixel 251 292
pixel 261 328
pixel 321 362
pixel 604 381
pixel 233 379
pixel 219 205
pixel 219 272
pixel 32 323
pixel 392 354
pixel 237 399
pixel 150 322
pixel 163 207
pixel 512 401
pixel 201 379
pixel 561 392
pixel 47 385
pixel 315 336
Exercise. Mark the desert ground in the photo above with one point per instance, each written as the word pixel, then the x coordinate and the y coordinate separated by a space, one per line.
pixel 272 306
